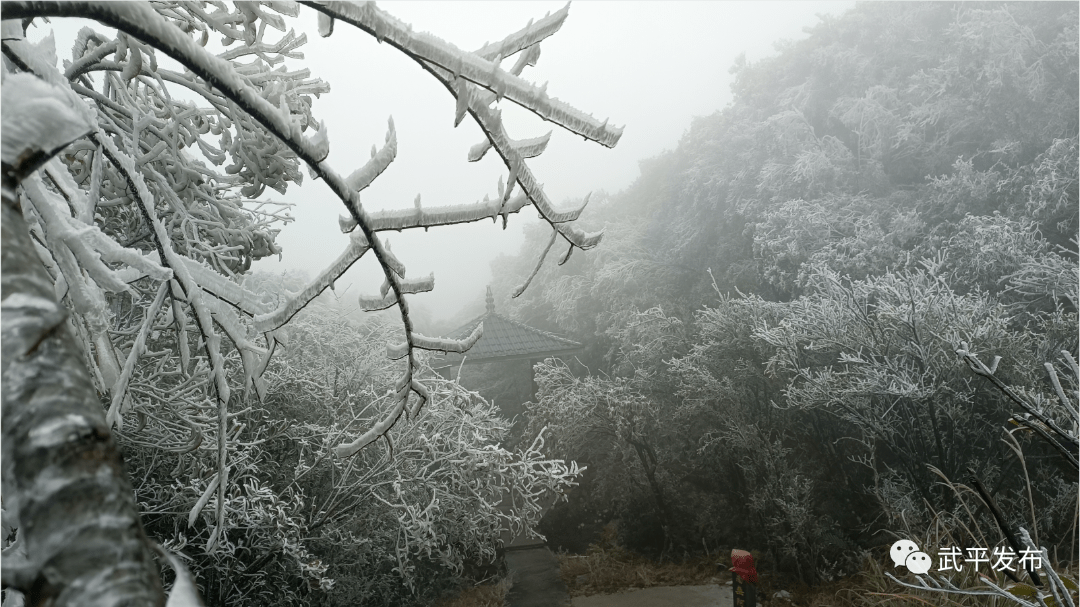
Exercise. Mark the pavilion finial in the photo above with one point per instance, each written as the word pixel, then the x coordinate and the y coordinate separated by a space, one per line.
pixel 490 301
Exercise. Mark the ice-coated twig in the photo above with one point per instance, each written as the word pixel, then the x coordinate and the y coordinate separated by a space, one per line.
pixel 1065 402
pixel 429 217
pixel 1070 439
pixel 222 288
pixel 119 389
pixel 356 248
pixel 250 353
pixel 475 68
pixel 85 295
pixel 362 177
pixel 1057 587
pixel 526 37
pixel 388 299
pixel 62 236
pixel 539 262
pixel 437 344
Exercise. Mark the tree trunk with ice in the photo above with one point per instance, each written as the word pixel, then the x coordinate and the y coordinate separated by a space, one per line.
pixel 65 489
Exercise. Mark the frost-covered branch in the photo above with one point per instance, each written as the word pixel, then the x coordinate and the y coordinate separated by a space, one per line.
pixel 490 121
pixel 141 21
pixel 387 299
pixel 420 217
pixel 438 344
pixel 1065 440
pixel 474 67
pixel 447 64
pixel 294 303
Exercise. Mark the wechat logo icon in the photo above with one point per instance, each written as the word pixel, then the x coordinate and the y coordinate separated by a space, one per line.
pixel 905 553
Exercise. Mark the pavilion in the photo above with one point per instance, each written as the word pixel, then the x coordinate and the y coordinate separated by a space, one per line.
pixel 503 340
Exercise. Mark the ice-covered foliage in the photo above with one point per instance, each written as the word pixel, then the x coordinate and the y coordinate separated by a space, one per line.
pixel 146 191
pixel 383 527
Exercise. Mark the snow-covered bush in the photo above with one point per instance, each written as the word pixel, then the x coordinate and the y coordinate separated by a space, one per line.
pixel 856 387
pixel 388 526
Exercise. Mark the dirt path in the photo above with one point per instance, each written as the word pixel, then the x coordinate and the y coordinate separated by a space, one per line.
pixel 535 572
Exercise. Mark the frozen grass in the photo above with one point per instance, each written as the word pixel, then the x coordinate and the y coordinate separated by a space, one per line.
pixel 607 568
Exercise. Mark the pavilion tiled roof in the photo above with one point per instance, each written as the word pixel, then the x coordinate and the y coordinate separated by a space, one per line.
pixel 506 339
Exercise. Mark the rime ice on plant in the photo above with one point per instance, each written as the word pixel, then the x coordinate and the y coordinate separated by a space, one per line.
pixel 150 217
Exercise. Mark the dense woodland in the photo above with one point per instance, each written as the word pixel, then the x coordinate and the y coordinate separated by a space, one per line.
pixel 773 322
pixel 791 326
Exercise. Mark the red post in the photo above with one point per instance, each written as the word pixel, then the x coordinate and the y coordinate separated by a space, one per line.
pixel 743 579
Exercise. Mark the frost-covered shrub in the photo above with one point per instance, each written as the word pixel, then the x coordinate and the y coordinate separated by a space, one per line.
pixel 389 526
pixel 879 355
pixel 852 235
pixel 823 420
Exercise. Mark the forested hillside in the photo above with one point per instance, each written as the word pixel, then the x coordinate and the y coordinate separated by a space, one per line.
pixel 780 323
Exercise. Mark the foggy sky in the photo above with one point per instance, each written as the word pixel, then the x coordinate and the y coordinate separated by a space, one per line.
pixel 648 66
